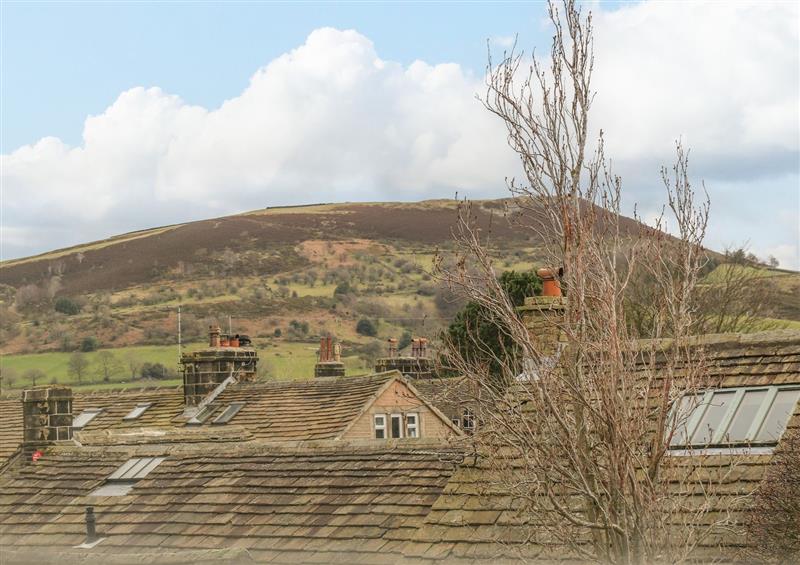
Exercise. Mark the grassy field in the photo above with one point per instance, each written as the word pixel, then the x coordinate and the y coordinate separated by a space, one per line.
pixel 280 360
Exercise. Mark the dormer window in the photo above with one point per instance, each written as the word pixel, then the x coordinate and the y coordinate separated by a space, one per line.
pixel 734 417
pixel 379 422
pixel 137 411
pixel 397 425
pixel 412 425
pixel 83 419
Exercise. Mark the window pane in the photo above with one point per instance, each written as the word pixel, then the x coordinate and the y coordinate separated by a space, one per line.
pixel 229 413
pixel 720 402
pixel 686 406
pixel 411 425
pixel 85 417
pixel 396 426
pixel 138 411
pixel 780 412
pixel 745 413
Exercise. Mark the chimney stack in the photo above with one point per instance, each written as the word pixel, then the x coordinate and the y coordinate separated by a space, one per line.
pixel 46 416
pixel 392 346
pixel 543 314
pixel 213 336
pixel 329 362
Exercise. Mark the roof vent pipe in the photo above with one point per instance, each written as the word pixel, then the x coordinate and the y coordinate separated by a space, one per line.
pixel 91 532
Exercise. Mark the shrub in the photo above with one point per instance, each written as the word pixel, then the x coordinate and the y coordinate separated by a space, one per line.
pixel 155 371
pixel 343 289
pixel 89 343
pixel 66 306
pixel 366 327
pixel 405 340
pixel 277 332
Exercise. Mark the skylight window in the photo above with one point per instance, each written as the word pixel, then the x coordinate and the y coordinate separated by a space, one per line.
pixel 83 419
pixel 138 411
pixel 734 416
pixel 203 415
pixel 121 481
pixel 231 411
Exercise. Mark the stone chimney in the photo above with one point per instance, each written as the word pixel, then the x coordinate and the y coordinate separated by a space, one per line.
pixel 542 314
pixel 46 416
pixel 206 369
pixel 329 359
pixel 213 336
pixel 414 366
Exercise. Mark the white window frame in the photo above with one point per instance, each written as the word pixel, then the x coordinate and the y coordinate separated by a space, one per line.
pixel 719 438
pixel 468 419
pixel 137 411
pixel 376 427
pixel 85 418
pixel 399 417
pixel 415 426
pixel 229 413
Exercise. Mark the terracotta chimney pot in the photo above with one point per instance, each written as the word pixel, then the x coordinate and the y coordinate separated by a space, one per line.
pixel 550 285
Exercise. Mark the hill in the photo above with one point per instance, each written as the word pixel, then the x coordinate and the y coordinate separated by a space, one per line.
pixel 281 275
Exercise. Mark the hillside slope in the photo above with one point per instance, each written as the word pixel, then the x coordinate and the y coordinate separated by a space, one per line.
pixel 279 274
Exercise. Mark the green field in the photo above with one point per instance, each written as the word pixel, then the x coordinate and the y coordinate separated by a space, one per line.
pixel 281 360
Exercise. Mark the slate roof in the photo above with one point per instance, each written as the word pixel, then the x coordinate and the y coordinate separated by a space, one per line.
pixel 10 427
pixel 473 519
pixel 116 404
pixel 274 410
pixel 300 410
pixel 328 501
pixel 320 501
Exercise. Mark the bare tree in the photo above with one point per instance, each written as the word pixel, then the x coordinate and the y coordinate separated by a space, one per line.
pixel 134 364
pixel 34 375
pixel 732 298
pixel 577 419
pixel 107 365
pixel 78 366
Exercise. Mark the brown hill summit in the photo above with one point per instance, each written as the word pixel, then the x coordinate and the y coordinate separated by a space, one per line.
pixel 138 257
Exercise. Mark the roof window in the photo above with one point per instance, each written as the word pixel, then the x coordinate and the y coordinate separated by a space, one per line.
pixel 203 415
pixel 231 411
pixel 83 419
pixel 734 417
pixel 121 481
pixel 138 411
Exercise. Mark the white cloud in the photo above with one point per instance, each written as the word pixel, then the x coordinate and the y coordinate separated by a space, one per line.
pixel 503 41
pixel 332 121
pixel 723 77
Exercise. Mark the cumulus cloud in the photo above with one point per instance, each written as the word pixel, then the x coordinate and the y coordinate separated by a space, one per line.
pixel 332 121
pixel 726 80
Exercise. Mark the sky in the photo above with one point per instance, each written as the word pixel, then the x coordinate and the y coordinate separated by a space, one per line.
pixel 123 116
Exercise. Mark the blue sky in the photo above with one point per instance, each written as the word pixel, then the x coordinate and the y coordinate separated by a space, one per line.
pixel 63 61
pixel 123 116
